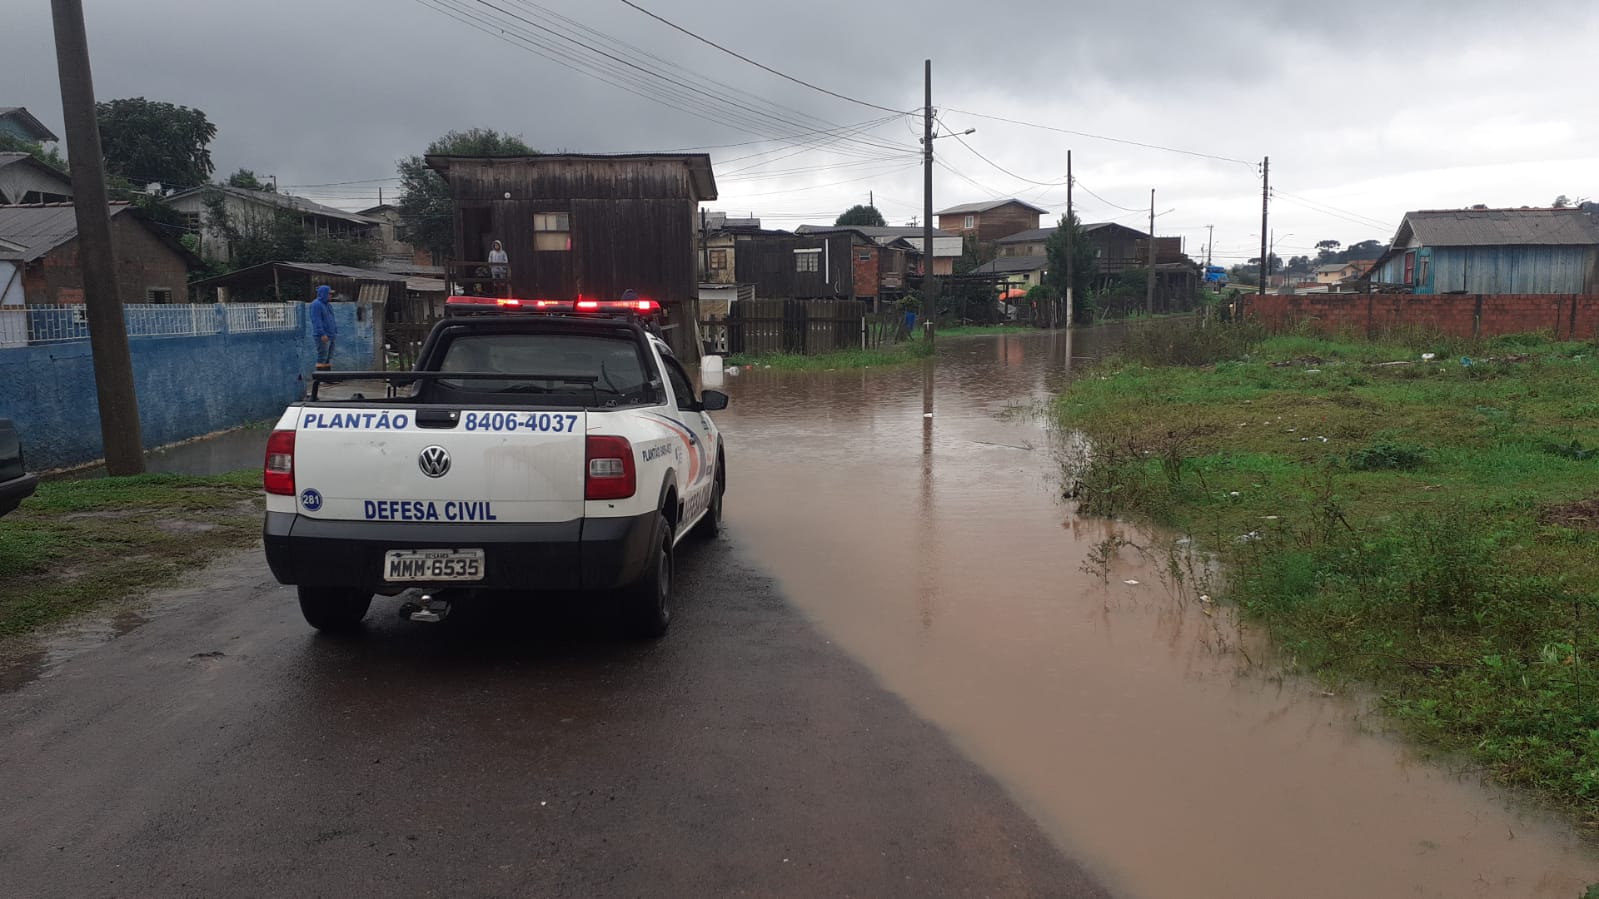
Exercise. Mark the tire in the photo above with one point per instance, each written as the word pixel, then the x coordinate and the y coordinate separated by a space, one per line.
pixel 335 610
pixel 646 604
pixel 711 524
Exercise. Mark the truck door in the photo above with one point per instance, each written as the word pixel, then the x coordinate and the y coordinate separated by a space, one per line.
pixel 696 493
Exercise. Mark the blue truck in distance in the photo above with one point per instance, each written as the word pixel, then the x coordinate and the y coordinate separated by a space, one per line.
pixel 1215 277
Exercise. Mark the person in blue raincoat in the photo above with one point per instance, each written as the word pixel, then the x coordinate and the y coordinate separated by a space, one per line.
pixel 324 330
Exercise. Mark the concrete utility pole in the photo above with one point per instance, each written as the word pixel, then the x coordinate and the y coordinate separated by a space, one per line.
pixel 929 283
pixel 1210 243
pixel 1265 214
pixel 1149 287
pixel 108 333
pixel 1071 237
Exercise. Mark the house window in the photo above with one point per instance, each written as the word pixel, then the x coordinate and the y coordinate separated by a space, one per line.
pixel 1410 268
pixel 718 260
pixel 971 222
pixel 158 294
pixel 807 260
pixel 865 256
pixel 1424 271
pixel 191 221
pixel 552 231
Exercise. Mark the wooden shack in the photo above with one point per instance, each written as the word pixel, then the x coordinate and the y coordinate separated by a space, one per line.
pixel 589 225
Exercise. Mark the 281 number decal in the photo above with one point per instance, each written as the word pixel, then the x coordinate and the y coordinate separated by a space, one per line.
pixel 536 422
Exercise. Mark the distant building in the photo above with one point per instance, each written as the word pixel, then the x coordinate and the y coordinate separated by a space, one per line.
pixel 253 208
pixel 989 221
pixel 18 122
pixel 835 263
pixel 41 243
pixel 1492 251
pixel 1017 271
pixel 946 247
pixel 25 180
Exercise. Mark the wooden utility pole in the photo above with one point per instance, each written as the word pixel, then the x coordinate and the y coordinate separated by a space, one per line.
pixel 929 282
pixel 1149 286
pixel 1071 238
pixel 1210 244
pixel 108 332
pixel 1265 215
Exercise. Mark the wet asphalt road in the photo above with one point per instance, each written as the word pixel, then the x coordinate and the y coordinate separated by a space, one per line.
pixel 223 749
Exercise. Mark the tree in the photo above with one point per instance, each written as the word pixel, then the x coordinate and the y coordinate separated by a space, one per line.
pixel 10 143
pixel 427 211
pixel 247 179
pixel 863 216
pixel 145 140
pixel 1561 202
pixel 1327 252
pixel 1366 249
pixel 1083 267
pixel 280 236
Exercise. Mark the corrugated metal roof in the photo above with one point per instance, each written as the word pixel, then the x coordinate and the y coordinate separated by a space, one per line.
pixel 1012 264
pixel 40 229
pixel 1034 235
pixel 1503 227
pixel 986 205
pixel 272 198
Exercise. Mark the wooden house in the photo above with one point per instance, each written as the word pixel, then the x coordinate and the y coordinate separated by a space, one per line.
pixel 989 221
pixel 590 225
pixel 1493 251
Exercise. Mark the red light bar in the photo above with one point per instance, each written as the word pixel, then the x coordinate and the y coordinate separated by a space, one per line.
pixel 633 307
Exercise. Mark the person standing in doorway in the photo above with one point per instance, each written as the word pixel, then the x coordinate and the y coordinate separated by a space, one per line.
pixel 498 262
pixel 324 330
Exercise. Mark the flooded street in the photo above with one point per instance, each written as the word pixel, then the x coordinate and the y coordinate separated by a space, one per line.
pixel 1120 714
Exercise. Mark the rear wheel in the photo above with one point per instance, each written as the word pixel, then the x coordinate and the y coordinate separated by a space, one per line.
pixel 647 602
pixel 334 609
pixel 711 524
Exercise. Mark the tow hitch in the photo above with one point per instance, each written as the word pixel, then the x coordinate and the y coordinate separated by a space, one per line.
pixel 429 609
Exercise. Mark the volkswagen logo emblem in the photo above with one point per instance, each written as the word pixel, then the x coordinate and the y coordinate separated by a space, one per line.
pixel 434 462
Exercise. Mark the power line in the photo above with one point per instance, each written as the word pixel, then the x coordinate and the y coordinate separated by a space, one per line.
pixel 962 141
pixel 1079 183
pixel 766 68
pixel 1114 140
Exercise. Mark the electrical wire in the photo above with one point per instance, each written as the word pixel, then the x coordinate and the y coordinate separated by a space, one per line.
pixel 1114 140
pixel 735 54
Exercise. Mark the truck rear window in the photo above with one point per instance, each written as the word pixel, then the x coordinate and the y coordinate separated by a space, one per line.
pixel 603 371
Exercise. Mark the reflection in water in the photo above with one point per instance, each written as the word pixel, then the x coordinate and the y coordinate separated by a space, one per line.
pixel 1125 715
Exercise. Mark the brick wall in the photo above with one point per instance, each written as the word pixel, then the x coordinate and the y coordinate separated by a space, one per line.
pixel 142 261
pixel 1461 315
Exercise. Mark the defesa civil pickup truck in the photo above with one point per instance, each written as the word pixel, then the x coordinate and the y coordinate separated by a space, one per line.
pixel 537 445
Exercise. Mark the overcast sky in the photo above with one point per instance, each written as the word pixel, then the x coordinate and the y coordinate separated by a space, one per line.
pixel 1366 108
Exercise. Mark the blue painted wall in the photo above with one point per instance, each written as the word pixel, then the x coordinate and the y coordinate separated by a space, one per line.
pixel 1498 270
pixel 187 386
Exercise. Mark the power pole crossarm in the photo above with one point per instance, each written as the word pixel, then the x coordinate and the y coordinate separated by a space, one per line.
pixel 108 333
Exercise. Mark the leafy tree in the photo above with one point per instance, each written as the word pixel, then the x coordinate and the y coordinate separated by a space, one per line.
pixel 427 211
pixel 10 143
pixel 1366 249
pixel 861 215
pixel 145 140
pixel 248 180
pixel 1562 202
pixel 1084 263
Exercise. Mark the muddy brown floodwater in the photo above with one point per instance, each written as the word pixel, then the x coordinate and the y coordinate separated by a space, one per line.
pixel 1122 715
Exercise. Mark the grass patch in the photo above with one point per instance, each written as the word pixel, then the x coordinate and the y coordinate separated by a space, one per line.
pixel 977 330
pixel 79 544
pixel 1424 528
pixel 894 355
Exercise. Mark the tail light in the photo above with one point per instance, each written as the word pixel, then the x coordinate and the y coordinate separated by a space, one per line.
pixel 277 475
pixel 611 473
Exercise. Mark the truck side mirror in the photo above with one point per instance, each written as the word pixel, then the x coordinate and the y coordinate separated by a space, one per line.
pixel 713 401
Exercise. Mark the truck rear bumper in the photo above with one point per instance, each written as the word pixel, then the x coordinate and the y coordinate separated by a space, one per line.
pixel 587 554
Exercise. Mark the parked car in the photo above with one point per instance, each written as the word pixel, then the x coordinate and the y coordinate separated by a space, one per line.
pixel 16 484
pixel 551 446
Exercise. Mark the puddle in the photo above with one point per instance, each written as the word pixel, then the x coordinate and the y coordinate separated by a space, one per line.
pixel 1129 721
pixel 221 453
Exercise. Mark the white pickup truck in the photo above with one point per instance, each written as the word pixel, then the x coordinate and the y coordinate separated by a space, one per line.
pixel 537 446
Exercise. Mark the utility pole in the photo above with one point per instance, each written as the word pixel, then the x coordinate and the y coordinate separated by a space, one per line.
pixel 108 332
pixel 1071 237
pixel 1149 286
pixel 929 282
pixel 1210 243
pixel 1265 214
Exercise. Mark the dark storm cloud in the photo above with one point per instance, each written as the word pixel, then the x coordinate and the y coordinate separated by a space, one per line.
pixel 1365 106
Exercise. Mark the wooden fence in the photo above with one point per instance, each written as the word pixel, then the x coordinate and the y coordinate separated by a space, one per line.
pixel 804 327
